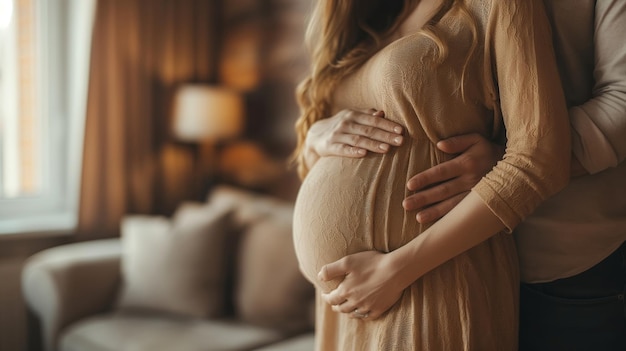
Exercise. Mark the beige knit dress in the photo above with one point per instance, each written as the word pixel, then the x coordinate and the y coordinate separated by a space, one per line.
pixel 350 205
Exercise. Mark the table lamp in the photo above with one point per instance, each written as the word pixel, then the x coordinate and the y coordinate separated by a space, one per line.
pixel 207 115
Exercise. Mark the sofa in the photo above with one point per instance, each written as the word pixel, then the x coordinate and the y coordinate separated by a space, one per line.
pixel 216 275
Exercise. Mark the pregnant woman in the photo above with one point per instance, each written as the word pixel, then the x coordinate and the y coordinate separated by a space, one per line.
pixel 437 68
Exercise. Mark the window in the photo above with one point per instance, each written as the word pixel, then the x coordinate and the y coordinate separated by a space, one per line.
pixel 44 57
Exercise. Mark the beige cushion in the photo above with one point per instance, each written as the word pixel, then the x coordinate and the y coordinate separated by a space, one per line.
pixel 123 332
pixel 248 206
pixel 304 342
pixel 177 266
pixel 270 289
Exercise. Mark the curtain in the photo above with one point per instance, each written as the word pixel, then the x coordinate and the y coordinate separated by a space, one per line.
pixel 141 51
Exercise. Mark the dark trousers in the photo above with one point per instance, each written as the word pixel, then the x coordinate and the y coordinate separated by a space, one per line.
pixel 583 312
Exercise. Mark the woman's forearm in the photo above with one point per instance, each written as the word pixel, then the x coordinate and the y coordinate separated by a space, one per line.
pixel 467 225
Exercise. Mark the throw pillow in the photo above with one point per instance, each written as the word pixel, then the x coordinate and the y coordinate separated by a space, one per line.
pixel 271 291
pixel 248 206
pixel 176 266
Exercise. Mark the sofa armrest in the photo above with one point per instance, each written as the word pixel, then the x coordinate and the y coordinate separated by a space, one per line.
pixel 66 283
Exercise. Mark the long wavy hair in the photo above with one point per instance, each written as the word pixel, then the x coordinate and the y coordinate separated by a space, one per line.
pixel 344 34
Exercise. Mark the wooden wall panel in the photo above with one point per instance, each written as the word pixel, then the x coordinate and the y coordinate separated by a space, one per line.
pixel 263 55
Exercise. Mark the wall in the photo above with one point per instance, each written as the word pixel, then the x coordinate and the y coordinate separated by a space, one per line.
pixel 263 55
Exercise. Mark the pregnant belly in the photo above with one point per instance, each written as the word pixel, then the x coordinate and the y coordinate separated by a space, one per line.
pixel 346 206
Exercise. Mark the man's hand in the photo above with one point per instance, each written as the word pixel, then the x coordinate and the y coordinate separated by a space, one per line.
pixel 440 188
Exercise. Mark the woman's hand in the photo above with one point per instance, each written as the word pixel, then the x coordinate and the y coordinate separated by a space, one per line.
pixel 371 284
pixel 440 188
pixel 351 133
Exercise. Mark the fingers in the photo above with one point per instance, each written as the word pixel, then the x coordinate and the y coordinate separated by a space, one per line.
pixel 353 134
pixel 346 306
pixel 349 139
pixel 365 285
pixel 435 175
pixel 478 155
pixel 434 195
pixel 439 210
pixel 441 187
pixel 366 138
pixel 333 298
pixel 460 143
pixel 347 150
pixel 374 112
pixel 376 119
pixel 337 298
pixel 369 132
pixel 341 305
pixel 334 270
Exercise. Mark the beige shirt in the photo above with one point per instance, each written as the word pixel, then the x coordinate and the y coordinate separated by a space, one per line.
pixel 584 223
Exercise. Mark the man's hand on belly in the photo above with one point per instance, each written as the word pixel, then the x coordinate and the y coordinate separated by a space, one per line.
pixel 440 188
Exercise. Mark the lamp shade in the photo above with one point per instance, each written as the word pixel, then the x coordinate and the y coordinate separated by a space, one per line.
pixel 203 112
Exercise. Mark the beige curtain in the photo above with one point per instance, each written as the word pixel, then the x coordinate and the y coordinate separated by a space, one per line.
pixel 141 51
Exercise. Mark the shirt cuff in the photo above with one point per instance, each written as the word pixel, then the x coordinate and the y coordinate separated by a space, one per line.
pixel 589 144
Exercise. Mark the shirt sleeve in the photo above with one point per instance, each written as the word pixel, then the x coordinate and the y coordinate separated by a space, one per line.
pixel 537 158
pixel 599 125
